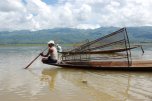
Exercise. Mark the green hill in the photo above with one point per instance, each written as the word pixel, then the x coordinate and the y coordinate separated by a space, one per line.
pixel 70 35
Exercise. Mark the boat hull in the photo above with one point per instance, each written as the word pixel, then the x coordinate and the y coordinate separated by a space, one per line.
pixel 109 65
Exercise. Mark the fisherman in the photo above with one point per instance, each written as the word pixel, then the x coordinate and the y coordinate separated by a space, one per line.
pixel 52 54
pixel 59 48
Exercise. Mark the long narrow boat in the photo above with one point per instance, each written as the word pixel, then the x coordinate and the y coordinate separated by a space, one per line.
pixel 111 52
pixel 109 65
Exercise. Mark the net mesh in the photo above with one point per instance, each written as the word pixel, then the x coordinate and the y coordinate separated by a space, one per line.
pixel 106 45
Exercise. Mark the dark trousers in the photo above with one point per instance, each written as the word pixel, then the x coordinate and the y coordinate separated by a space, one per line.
pixel 48 60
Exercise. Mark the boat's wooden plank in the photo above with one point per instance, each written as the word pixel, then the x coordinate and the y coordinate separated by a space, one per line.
pixel 101 52
pixel 137 66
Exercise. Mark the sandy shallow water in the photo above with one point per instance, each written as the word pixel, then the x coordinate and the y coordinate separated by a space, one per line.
pixel 49 83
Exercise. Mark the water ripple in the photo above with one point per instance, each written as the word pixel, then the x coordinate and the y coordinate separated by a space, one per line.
pixel 43 82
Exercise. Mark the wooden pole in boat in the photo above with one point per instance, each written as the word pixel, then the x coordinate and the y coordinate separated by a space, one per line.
pixel 142 49
pixel 34 59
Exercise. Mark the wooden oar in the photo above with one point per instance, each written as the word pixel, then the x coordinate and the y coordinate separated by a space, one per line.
pixel 34 59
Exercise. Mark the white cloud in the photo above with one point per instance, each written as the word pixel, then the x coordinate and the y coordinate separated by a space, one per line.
pixel 11 5
pixel 87 26
pixel 36 14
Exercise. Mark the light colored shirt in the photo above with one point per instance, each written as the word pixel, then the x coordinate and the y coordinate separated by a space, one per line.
pixel 59 48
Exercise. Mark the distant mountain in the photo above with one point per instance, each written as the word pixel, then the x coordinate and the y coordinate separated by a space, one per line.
pixel 70 35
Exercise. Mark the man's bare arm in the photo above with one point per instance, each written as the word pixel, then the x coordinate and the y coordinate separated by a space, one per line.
pixel 45 55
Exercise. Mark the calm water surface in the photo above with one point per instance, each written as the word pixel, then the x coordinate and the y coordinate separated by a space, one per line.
pixel 48 83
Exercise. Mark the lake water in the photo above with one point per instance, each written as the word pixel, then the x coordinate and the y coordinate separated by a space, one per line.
pixel 49 83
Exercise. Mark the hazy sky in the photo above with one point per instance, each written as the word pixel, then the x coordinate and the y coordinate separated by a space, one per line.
pixel 46 14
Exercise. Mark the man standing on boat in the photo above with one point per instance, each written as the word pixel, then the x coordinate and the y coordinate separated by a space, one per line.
pixel 52 54
pixel 59 48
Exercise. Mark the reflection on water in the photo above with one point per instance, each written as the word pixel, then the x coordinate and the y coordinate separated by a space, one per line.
pixel 49 83
pixel 98 85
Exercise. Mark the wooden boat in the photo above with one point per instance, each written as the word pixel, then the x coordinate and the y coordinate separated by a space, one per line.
pixel 111 52
pixel 109 65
